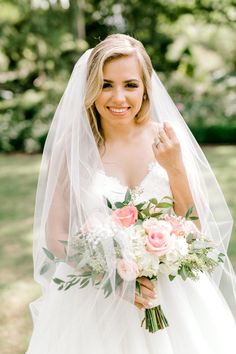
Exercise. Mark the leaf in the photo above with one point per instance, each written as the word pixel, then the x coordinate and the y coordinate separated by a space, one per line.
pixel 119 280
pixel 84 284
pixel 63 242
pixel 86 274
pixel 168 197
pixel 49 254
pixel 221 254
pixel 139 206
pixel 183 272
pixel 146 212
pixel 153 201
pixel 138 287
pixel 189 212
pixel 164 205
pixel 127 196
pixel 154 215
pixel 58 281
pixel 119 205
pixel 84 281
pixel 44 268
pixel 172 277
pixel 109 203
pixel 193 217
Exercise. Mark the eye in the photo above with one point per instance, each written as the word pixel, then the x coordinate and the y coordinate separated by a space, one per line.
pixel 106 84
pixel 132 85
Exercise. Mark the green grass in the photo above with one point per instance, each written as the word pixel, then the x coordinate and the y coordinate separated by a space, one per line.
pixel 18 178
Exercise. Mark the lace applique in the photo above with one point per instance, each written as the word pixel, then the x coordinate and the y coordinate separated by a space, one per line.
pixel 154 185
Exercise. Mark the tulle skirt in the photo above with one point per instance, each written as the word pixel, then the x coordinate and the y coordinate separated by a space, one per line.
pixel 200 322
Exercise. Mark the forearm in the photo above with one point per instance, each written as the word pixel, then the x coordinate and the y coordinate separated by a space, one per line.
pixel 183 199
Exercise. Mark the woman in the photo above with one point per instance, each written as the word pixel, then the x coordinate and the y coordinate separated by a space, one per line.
pixel 116 129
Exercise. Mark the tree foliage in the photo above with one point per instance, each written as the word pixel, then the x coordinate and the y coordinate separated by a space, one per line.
pixel 191 44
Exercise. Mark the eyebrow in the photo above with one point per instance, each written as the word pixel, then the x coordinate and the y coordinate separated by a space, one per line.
pixel 110 81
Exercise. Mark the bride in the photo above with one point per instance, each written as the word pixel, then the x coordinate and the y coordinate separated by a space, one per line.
pixel 115 129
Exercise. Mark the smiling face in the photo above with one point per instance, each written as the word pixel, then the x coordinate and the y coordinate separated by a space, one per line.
pixel 122 93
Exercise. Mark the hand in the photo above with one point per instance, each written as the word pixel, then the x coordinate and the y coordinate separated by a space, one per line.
pixel 166 149
pixel 147 295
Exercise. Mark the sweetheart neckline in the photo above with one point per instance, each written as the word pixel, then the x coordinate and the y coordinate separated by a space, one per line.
pixel 151 166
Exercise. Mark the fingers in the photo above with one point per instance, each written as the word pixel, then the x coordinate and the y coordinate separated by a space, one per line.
pixel 142 302
pixel 170 132
pixel 163 136
pixel 148 293
pixel 146 282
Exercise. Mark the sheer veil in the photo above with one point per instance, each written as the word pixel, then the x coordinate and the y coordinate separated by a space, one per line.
pixel 66 200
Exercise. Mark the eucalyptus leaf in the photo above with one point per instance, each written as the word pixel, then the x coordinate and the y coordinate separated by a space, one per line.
pixel 84 281
pixel 58 281
pixel 44 268
pixel 84 284
pixel 63 242
pixel 49 254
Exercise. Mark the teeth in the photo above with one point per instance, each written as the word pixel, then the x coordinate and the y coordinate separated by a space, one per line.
pixel 116 110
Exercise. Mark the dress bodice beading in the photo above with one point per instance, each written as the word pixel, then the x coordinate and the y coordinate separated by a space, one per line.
pixel 154 185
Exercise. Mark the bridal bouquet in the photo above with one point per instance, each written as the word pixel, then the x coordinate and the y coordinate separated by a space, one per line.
pixel 159 240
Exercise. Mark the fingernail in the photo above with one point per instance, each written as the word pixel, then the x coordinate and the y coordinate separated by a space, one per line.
pixel 150 304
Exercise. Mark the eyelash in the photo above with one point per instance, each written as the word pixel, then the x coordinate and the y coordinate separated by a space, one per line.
pixel 106 85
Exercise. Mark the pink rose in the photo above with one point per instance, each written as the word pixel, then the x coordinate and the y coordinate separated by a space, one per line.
pixel 126 216
pixel 128 270
pixel 177 224
pixel 159 240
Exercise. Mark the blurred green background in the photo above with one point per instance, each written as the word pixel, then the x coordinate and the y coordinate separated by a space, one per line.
pixel 192 45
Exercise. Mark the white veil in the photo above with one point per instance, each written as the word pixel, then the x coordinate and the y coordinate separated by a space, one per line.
pixel 65 201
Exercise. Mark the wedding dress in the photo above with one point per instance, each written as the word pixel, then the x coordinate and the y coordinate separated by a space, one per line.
pixel 200 321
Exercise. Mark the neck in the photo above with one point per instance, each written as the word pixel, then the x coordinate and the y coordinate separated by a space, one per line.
pixel 121 132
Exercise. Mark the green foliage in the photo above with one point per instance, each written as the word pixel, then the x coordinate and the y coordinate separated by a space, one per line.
pixel 191 44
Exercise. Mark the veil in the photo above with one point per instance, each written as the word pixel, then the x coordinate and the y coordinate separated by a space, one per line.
pixel 66 200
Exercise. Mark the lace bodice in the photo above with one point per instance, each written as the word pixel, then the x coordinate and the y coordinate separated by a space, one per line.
pixel 154 185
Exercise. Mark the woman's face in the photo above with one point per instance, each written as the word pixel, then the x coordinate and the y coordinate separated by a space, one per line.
pixel 122 93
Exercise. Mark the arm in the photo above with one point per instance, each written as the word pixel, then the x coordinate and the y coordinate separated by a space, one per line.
pixel 168 154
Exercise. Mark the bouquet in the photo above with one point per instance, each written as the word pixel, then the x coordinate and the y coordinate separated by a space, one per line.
pixel 159 242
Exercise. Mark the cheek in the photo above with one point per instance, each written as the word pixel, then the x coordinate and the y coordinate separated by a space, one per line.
pixel 100 102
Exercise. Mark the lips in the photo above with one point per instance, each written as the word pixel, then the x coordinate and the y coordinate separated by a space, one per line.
pixel 118 110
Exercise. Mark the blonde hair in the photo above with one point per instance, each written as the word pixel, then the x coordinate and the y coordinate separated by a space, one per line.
pixel 114 46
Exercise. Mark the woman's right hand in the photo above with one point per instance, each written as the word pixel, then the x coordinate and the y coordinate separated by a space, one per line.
pixel 148 293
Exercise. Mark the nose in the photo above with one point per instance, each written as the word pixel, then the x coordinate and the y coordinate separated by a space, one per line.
pixel 118 95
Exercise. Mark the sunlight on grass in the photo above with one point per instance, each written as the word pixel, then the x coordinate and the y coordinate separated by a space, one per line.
pixel 18 178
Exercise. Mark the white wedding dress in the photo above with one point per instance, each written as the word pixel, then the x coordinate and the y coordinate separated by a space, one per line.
pixel 200 321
